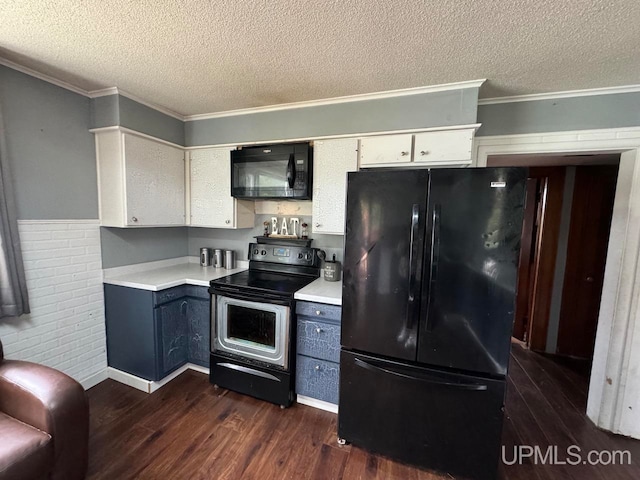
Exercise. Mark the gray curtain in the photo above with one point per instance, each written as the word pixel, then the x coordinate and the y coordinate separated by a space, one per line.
pixel 13 286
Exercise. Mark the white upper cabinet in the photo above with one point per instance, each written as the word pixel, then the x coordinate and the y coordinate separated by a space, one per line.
pixel 141 181
pixel 453 146
pixel 433 149
pixel 211 203
pixel 332 159
pixel 385 150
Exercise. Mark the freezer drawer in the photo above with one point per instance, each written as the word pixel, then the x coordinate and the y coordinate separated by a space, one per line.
pixel 447 422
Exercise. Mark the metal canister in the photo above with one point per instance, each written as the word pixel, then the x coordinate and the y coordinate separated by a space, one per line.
pixel 218 258
pixel 205 257
pixel 229 259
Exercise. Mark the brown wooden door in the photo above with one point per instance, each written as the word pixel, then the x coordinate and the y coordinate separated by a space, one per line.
pixel 591 211
pixel 548 225
pixel 527 262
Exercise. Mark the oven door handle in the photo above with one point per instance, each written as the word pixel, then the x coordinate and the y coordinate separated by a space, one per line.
pixel 250 297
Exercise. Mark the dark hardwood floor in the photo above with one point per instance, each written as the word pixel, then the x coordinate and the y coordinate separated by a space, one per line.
pixel 187 429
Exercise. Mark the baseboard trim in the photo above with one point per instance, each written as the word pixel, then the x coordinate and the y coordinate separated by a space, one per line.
pixel 149 386
pixel 315 403
pixel 94 379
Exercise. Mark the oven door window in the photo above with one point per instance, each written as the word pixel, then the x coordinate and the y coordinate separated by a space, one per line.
pixel 252 329
pixel 251 326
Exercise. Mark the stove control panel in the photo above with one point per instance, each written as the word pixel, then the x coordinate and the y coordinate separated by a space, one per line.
pixel 289 255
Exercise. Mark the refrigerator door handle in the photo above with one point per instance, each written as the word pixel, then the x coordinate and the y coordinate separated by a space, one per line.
pixel 433 259
pixel 413 256
pixel 478 387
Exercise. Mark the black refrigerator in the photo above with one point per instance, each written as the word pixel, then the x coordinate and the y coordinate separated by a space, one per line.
pixel 429 286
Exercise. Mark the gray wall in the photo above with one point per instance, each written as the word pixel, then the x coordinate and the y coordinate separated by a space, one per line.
pixel 126 246
pixel 51 151
pixel 105 111
pixel 455 107
pixel 575 113
pixel 119 110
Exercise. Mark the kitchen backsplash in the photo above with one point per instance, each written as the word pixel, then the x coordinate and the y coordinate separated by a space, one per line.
pixel 239 240
pixel 127 246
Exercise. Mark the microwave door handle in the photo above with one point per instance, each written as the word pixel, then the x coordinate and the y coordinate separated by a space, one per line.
pixel 291 171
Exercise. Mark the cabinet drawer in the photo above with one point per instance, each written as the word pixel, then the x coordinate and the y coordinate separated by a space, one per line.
pixel 319 311
pixel 450 146
pixel 319 339
pixel 317 379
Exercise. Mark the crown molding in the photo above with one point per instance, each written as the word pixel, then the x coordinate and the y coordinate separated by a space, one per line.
pixel 104 92
pixel 587 92
pixel 116 91
pixel 155 106
pixel 345 99
pixel 43 76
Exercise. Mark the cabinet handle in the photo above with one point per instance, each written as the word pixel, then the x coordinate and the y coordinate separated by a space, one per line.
pixel 227 222
pixel 424 152
pixel 134 219
pixel 318 330
pixel 404 154
pixel 318 312
pixel 318 225
pixel 317 368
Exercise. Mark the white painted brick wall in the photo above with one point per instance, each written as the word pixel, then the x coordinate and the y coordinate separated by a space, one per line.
pixel 66 327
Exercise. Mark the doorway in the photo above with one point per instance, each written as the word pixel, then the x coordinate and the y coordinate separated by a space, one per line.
pixel 566 228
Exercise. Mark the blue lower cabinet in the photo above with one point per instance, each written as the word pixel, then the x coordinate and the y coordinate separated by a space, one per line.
pixel 199 337
pixel 172 325
pixel 151 334
pixel 131 325
pixel 317 379
pixel 318 351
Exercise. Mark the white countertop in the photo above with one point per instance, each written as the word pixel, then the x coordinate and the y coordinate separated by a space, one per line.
pixel 171 276
pixel 163 274
pixel 321 291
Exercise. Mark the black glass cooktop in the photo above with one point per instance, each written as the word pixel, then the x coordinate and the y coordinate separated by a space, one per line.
pixel 260 281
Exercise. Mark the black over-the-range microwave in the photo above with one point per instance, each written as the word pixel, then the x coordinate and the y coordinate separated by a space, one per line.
pixel 272 172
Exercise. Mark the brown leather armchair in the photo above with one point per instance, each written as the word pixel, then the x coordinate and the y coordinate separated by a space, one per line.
pixel 44 423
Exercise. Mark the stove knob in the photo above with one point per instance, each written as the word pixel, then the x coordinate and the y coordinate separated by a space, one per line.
pixel 263 252
pixel 301 256
pixel 308 256
pixel 256 251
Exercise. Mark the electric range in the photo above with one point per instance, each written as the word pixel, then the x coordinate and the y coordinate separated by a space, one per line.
pixel 253 323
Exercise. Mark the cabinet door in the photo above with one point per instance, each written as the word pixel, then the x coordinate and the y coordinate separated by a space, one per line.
pixel 155 187
pixel 332 159
pixel 385 150
pixel 210 179
pixel 444 147
pixel 172 322
pixel 131 331
pixel 199 332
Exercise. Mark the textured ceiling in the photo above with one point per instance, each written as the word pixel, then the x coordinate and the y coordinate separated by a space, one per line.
pixel 199 56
